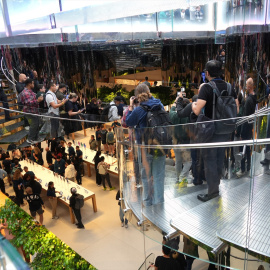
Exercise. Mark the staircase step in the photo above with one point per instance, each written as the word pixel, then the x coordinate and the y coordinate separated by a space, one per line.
pixel 16 137
pixel 9 128
pixel 2 121
pixel 25 144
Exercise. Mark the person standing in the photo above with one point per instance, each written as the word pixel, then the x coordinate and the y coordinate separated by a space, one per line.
pixel 54 105
pixel 3 99
pixel 123 219
pixel 18 185
pixel 97 159
pixel 110 141
pixel 93 143
pixel 20 85
pixel 113 111
pixel 36 81
pixel 146 82
pixel 70 171
pixel 51 193
pixel 153 162
pixel 103 171
pixel 213 158
pixel 35 204
pixel 59 165
pixel 246 129
pixel 3 174
pixel 28 99
pixel 76 211
pixel 71 151
pixel 49 156
pixel 7 167
pixel 98 138
pixel 103 134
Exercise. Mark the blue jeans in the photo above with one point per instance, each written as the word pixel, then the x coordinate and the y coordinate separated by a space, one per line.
pixel 153 174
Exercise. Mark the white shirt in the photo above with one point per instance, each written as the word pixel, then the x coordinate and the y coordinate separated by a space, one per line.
pixel 51 97
pixel 70 171
pixel 113 112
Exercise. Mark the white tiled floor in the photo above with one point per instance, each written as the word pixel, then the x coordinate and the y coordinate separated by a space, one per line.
pixel 104 243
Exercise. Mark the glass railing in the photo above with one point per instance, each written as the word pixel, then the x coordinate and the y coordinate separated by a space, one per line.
pixel 206 199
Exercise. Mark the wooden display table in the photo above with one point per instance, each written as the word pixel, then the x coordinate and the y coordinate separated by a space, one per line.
pixel 63 186
pixel 88 156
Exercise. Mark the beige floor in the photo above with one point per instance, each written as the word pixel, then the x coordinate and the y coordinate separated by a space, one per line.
pixel 104 243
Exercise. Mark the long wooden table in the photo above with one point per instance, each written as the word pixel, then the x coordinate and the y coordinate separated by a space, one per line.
pixel 44 176
pixel 88 156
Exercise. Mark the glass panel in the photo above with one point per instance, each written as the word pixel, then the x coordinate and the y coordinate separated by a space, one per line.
pixel 69 5
pixel 24 10
pixel 246 12
pixel 140 23
pixel 162 177
pixel 194 18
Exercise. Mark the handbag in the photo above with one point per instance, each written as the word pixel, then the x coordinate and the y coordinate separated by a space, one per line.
pixel 204 129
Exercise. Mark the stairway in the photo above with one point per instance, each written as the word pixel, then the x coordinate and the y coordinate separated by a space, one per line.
pixel 12 131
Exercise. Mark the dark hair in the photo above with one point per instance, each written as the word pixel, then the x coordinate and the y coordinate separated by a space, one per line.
pixel 49 185
pixel 93 100
pixel 118 94
pixel 240 97
pixel 62 85
pixel 166 250
pixel 50 84
pixel 28 81
pixel 40 86
pixel 146 78
pixel 102 158
pixel 214 68
pixel 68 161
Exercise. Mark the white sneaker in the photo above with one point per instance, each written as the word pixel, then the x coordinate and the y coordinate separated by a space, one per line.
pixel 55 217
pixel 122 224
pixel 126 226
pixel 239 173
pixel 27 128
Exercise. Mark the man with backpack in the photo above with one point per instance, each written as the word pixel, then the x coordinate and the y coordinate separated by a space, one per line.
pixel 150 110
pixel 76 203
pixel 209 95
pixel 111 111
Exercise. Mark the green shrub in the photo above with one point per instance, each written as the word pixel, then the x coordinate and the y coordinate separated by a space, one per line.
pixel 51 252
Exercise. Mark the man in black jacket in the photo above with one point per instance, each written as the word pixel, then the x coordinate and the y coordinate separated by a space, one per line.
pixel 246 130
pixel 77 212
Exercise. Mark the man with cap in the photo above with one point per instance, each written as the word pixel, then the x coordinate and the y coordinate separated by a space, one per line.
pixel 113 111
pixel 77 212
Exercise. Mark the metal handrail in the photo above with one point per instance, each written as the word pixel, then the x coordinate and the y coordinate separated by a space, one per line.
pixel 16 70
pixel 3 70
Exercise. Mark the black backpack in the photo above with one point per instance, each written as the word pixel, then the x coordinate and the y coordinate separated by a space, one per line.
pixel 105 112
pixel 79 202
pixel 157 131
pixel 224 109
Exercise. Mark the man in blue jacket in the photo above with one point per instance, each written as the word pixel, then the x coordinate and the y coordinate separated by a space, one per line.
pixel 152 161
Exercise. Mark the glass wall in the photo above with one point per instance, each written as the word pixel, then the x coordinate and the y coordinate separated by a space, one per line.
pixel 165 174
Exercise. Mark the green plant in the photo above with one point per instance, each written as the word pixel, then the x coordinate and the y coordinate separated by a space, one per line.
pixel 51 252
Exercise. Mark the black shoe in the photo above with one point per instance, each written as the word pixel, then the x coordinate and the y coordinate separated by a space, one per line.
pixel 207 197
pixel 76 224
pixel 80 227
pixel 265 162
pixel 197 183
